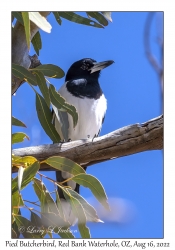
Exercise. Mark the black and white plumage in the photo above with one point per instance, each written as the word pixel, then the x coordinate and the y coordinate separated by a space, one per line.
pixel 82 89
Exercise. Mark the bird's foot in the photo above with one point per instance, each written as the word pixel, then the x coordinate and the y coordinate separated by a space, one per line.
pixel 94 137
pixel 63 141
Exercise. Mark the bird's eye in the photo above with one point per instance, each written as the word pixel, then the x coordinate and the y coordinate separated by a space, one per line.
pixel 85 65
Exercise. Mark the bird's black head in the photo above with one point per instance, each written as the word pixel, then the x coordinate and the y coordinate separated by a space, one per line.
pixel 86 68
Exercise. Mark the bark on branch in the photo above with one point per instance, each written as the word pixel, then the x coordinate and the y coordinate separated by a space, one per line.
pixel 125 141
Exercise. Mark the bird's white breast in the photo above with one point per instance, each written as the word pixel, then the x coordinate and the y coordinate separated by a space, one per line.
pixel 90 115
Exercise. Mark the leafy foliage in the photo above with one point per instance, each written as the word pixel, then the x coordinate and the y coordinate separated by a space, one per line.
pixel 18 137
pixel 23 74
pixel 17 122
pixel 37 42
pixel 26 21
pixel 40 21
pixel 50 70
pixel 47 215
pixel 51 211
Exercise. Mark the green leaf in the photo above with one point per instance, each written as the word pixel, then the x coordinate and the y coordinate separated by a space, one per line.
pixel 107 15
pixel 58 202
pixel 25 226
pixel 43 86
pixel 15 229
pixel 17 201
pixel 14 234
pixel 20 177
pixel 28 175
pixel 18 16
pixel 50 214
pixel 50 70
pixel 95 186
pixel 99 17
pixel 61 122
pixel 18 137
pixel 60 103
pixel 37 42
pixel 52 220
pixel 79 213
pixel 57 17
pixel 84 231
pixel 64 233
pixel 48 204
pixel 40 21
pixel 90 212
pixel 35 219
pixel 17 122
pixel 64 164
pixel 45 118
pixel 23 74
pixel 26 160
pixel 15 158
pixel 71 16
pixel 25 16
pixel 39 189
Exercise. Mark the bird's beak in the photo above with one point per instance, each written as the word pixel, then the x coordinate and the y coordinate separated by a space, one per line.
pixel 97 66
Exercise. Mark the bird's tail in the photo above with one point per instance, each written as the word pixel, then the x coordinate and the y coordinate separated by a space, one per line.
pixel 61 176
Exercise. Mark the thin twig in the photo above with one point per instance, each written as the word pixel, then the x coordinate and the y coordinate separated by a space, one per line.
pixel 34 203
pixel 149 54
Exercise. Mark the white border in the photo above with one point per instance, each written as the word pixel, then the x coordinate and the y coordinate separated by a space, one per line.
pixel 169 97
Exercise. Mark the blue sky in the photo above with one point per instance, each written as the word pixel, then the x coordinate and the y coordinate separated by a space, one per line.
pixel 134 184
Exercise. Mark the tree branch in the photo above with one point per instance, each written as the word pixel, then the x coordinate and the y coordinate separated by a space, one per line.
pixel 151 58
pixel 125 141
pixel 153 61
pixel 20 52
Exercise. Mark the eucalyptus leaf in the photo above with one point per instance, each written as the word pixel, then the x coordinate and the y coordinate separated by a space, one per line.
pixel 20 177
pixel 64 164
pixel 16 230
pixel 14 234
pixel 61 122
pixel 24 161
pixel 19 137
pixel 40 21
pixel 23 74
pixel 49 203
pixel 26 21
pixel 99 17
pixel 64 232
pixel 59 205
pixel 35 219
pixel 90 212
pixel 37 42
pixel 16 122
pixel 107 15
pixel 43 86
pixel 94 185
pixel 50 70
pixel 17 201
pixel 25 226
pixel 45 118
pixel 73 17
pixel 79 213
pixel 28 175
pixel 18 16
pixel 59 102
pixel 57 17
pixel 51 220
